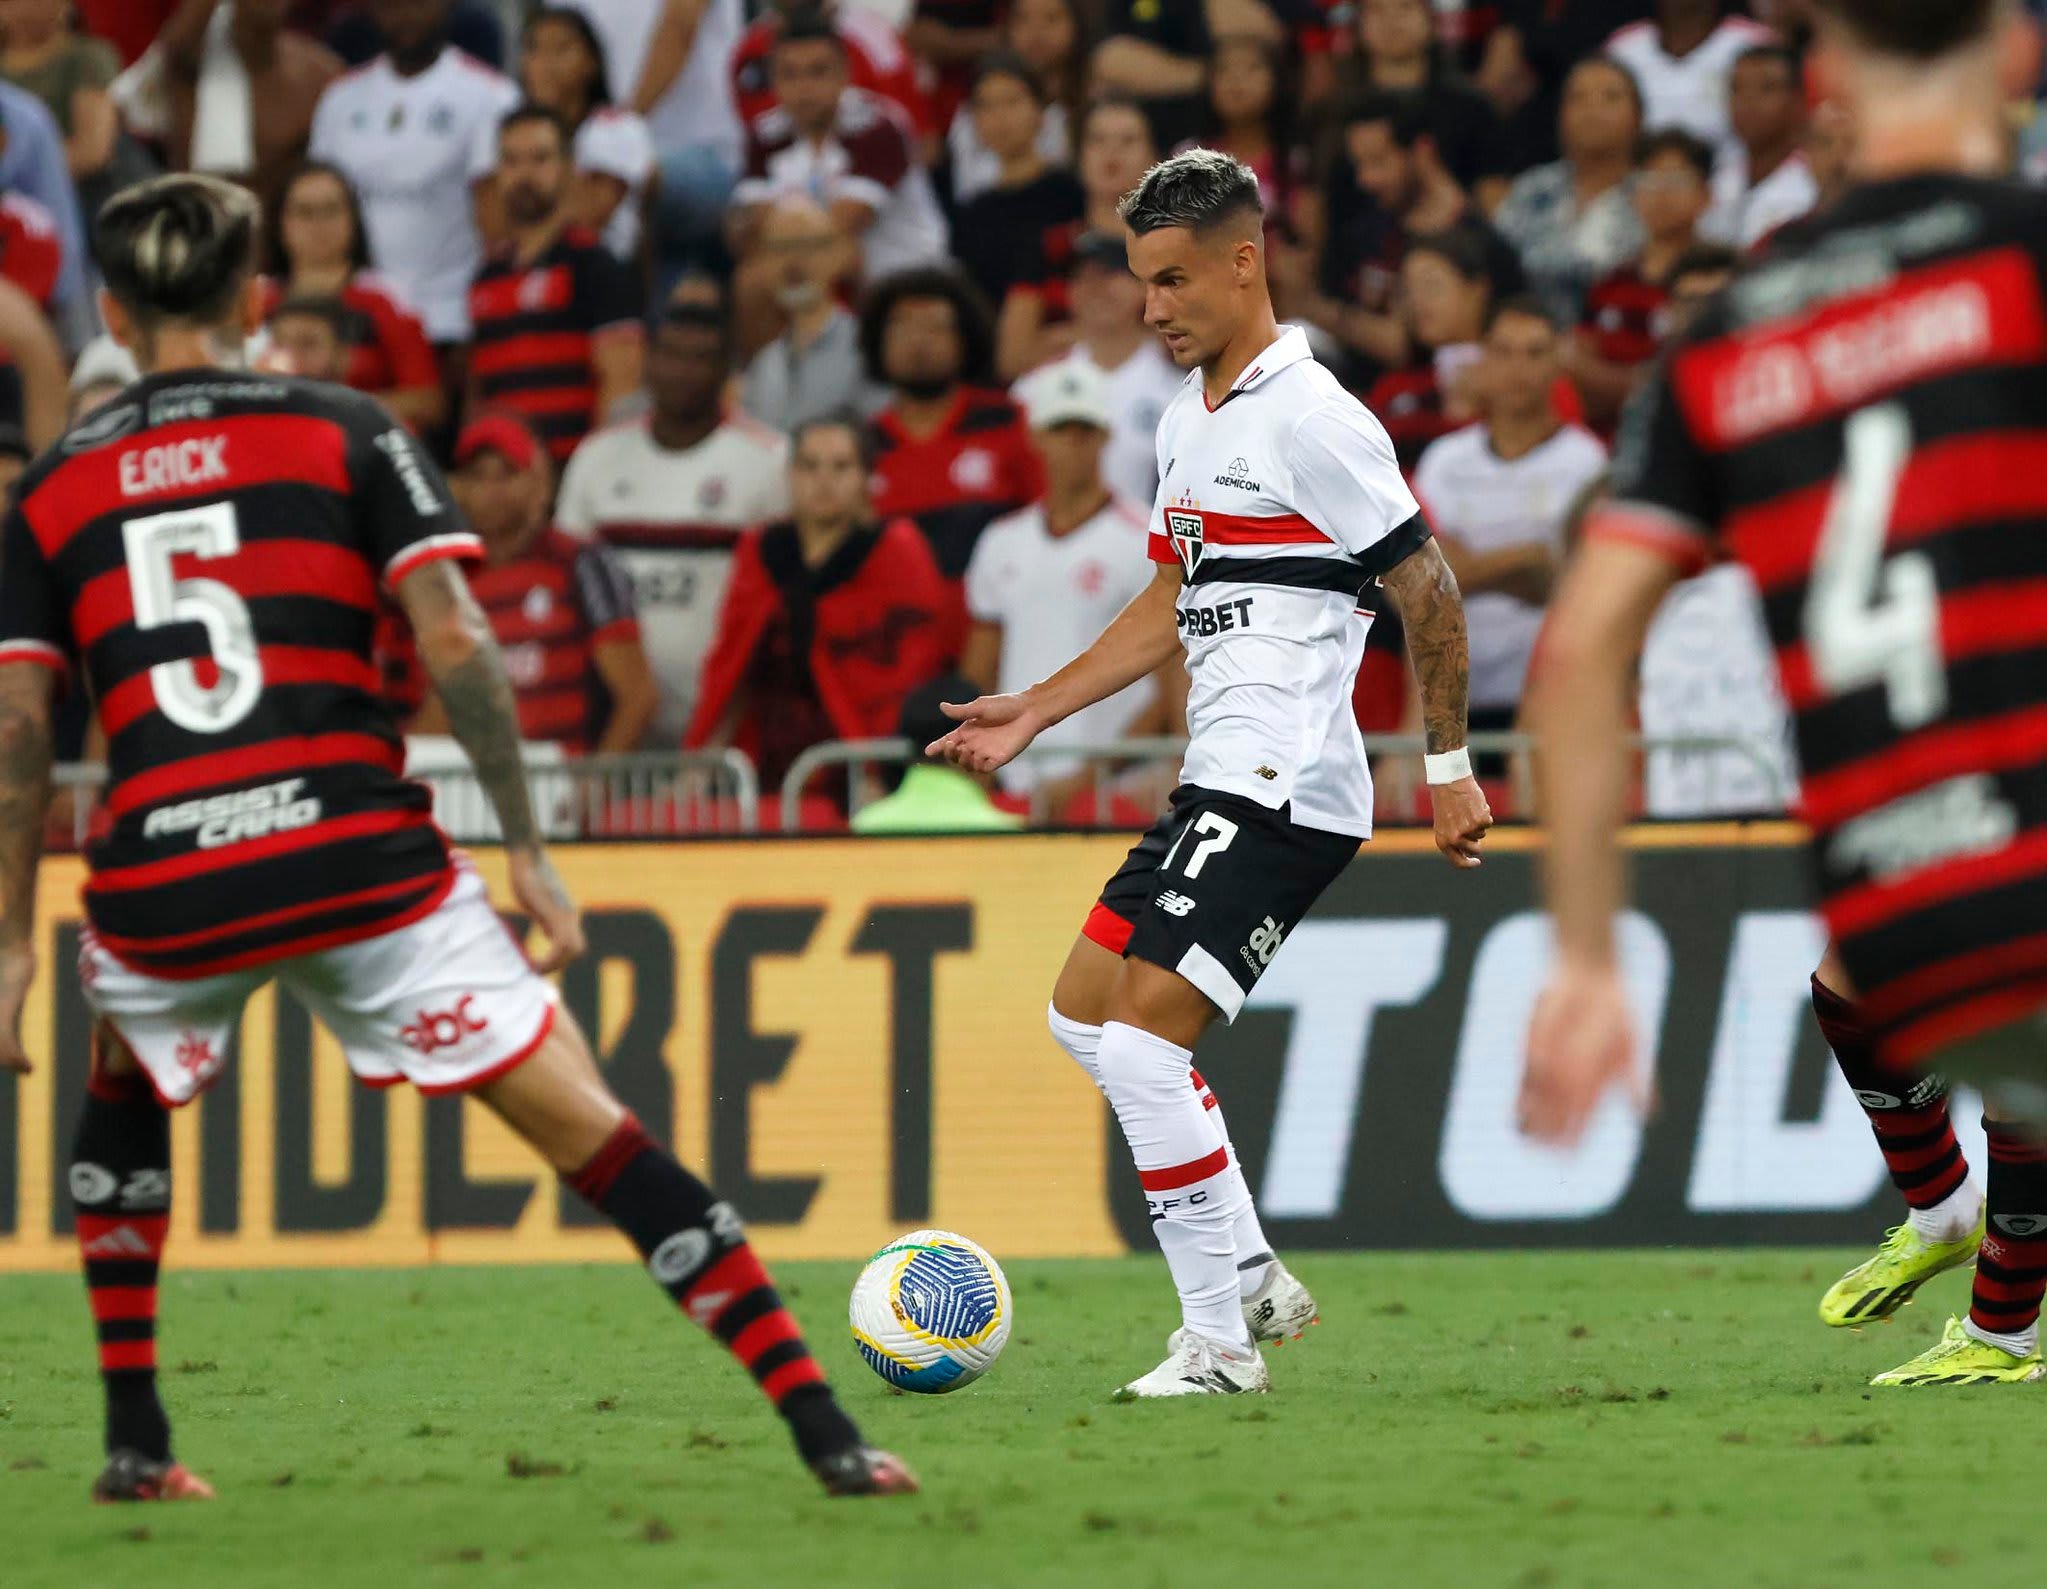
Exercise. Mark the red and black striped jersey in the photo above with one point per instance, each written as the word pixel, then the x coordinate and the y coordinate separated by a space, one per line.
pixel 206 552
pixel 1861 419
pixel 535 328
pixel 975 467
pixel 1624 316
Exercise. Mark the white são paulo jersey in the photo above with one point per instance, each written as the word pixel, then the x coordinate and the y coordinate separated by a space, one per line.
pixel 1488 502
pixel 674 519
pixel 1281 504
pixel 1053 595
pixel 412 147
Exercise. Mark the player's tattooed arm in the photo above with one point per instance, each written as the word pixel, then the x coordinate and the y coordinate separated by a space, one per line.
pixel 26 752
pixel 1424 592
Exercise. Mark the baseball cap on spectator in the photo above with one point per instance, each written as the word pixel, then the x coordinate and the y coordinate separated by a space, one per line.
pixel 499 433
pixel 1067 392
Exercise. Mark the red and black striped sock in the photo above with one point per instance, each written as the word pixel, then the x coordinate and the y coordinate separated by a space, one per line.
pixel 121 1191
pixel 1909 1117
pixel 698 1253
pixel 2011 1267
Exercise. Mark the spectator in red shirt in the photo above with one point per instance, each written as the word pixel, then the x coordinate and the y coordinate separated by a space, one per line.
pixel 558 336
pixel 561 609
pixel 31 251
pixel 829 622
pixel 318 249
pixel 1623 324
pixel 875 60
pixel 1445 294
pixel 950 452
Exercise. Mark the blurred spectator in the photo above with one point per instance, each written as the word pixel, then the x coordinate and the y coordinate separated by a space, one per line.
pixel 561 609
pixel 829 621
pixel 1497 493
pixel 1116 148
pixel 1680 64
pixel 1157 54
pixel 1046 580
pixel 1527 56
pixel 850 149
pixel 559 339
pixel 1830 145
pixel 814 367
pixel 1000 233
pixel 1050 36
pixel 241 89
pixel 671 62
pixel 1701 272
pixel 131 26
pixel 934 796
pixel 1397 166
pixel 102 371
pixel 949 453
pixel 69 73
pixel 947 38
pixel 875 60
pixel 318 249
pixel 1398 49
pixel 1446 296
pixel 359 34
pixel 1108 315
pixel 32 163
pixel 1763 179
pixel 562 68
pixel 671 491
pixel 1252 100
pixel 1574 220
pixel 306 337
pixel 31 254
pixel 1623 323
pixel 416 134
pixel 37 388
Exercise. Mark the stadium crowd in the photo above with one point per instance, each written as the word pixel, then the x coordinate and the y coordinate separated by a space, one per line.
pixel 789 364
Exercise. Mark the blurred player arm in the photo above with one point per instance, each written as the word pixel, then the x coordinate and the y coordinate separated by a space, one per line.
pixel 981 657
pixel 26 751
pixel 1525 570
pixel 31 347
pixel 667 52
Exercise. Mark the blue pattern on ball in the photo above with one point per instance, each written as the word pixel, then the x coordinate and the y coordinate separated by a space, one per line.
pixel 947 1292
pixel 935 1376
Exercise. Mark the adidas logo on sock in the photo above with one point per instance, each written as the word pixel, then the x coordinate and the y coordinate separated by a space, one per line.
pixel 123 1241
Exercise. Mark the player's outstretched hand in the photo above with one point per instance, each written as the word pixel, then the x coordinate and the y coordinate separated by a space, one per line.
pixel 17 971
pixel 545 897
pixel 993 731
pixel 1581 1041
pixel 1462 820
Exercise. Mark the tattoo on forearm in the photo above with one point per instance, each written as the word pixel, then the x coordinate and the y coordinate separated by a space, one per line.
pixel 1432 611
pixel 25 755
pixel 482 713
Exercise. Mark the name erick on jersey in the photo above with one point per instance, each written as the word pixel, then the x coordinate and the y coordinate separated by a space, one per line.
pixel 1281 505
pixel 206 551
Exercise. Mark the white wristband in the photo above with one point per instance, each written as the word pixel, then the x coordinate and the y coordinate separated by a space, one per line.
pixel 1449 766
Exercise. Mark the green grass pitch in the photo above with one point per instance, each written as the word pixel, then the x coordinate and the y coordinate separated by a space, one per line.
pixel 1616 1418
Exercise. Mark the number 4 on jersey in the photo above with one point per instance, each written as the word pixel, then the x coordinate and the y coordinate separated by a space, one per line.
pixel 1869 621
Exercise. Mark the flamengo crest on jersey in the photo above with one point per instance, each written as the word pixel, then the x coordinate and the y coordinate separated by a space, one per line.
pixel 1280 505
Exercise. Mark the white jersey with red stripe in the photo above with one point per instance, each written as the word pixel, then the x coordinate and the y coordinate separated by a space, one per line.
pixel 1281 504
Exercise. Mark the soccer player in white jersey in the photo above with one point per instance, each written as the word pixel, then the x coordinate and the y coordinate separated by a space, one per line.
pixel 1279 509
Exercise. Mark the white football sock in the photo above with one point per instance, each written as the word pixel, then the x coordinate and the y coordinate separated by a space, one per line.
pixel 1079 1039
pixel 2019 1343
pixel 1195 1190
pixel 1254 1253
pixel 1952 1218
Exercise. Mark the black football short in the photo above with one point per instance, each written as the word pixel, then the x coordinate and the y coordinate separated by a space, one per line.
pixel 1213 889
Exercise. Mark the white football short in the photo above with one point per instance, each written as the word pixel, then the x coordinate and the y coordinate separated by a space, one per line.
pixel 447 1002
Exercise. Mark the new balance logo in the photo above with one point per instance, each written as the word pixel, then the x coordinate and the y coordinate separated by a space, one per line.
pixel 123 1241
pixel 1174 904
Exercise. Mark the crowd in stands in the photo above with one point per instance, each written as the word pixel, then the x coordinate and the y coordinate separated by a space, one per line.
pixel 786 356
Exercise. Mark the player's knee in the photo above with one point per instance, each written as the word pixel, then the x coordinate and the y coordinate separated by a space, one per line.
pixel 1081 1039
pixel 1137 1065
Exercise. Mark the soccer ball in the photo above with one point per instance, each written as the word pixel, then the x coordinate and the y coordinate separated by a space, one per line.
pixel 931 1312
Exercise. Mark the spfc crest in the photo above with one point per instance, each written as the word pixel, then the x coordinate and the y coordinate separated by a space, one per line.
pixel 1185 529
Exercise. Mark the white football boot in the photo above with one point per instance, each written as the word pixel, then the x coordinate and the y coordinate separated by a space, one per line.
pixel 1198 1366
pixel 1281 1308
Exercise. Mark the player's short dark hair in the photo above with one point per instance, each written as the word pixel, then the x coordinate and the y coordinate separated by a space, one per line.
pixel 1200 189
pixel 838 419
pixel 1687 146
pixel 976 326
pixel 1462 246
pixel 1705 259
pixel 1405 113
pixel 1007 63
pixel 530 114
pixel 579 24
pixel 177 249
pixel 1916 30
pixel 1524 304
pixel 808 25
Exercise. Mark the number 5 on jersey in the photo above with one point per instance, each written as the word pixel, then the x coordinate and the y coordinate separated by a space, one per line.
pixel 161 598
pixel 1868 621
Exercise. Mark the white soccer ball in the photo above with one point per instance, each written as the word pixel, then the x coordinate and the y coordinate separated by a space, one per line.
pixel 931 1312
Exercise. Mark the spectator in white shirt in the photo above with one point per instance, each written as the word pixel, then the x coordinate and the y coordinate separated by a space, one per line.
pixel 1681 62
pixel 1107 304
pixel 416 134
pixel 1763 180
pixel 1045 581
pixel 562 67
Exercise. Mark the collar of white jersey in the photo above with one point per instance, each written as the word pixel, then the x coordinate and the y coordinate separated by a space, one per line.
pixel 1287 350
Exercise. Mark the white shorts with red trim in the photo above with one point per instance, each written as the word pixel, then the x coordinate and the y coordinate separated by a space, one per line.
pixel 447 1003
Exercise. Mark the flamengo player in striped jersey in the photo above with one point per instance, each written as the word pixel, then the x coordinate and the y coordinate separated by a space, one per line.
pixel 205 552
pixel 1859 420
pixel 1279 506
